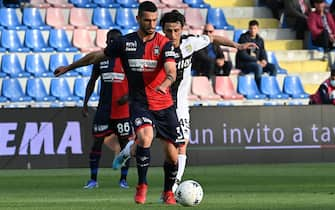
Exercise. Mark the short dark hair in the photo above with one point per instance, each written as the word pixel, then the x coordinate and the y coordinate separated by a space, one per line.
pixel 172 17
pixel 113 34
pixel 146 6
pixel 253 23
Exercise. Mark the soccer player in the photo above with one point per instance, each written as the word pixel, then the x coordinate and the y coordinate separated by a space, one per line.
pixel 184 46
pixel 149 63
pixel 111 123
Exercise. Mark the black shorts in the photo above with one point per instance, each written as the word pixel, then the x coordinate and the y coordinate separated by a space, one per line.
pixel 104 126
pixel 164 122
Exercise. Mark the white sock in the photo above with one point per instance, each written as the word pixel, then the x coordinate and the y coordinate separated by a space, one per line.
pixel 181 166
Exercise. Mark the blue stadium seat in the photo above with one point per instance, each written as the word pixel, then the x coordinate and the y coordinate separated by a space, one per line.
pixel 59 87
pixel 270 87
pixel 11 65
pixel 293 87
pixel 35 88
pixel 273 59
pixel 35 41
pixel 12 89
pixel 217 18
pixel 125 18
pixel 60 42
pixel 32 19
pixel 237 34
pixel 103 18
pixel 11 41
pixel 79 89
pixel 85 70
pixel 10 20
pixel 128 3
pixel 246 86
pixel 197 3
pixel 83 3
pixel 3 99
pixel 107 3
pixel 60 59
pixel 35 65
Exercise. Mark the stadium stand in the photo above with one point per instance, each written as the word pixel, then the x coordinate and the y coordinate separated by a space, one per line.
pixel 85 70
pixel 202 88
pixel 300 70
pixel 60 89
pixel 35 88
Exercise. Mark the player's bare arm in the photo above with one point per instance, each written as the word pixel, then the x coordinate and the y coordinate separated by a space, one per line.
pixel 171 73
pixel 88 59
pixel 221 40
pixel 89 90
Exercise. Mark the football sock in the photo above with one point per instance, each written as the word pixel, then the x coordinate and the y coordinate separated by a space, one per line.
pixel 124 170
pixel 170 171
pixel 142 162
pixel 181 166
pixel 94 164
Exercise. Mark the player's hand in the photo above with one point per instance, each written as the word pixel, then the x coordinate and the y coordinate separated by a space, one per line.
pixel 247 45
pixel 60 70
pixel 161 89
pixel 84 111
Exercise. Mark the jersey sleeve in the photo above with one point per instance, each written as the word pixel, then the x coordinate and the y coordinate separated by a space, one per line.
pixel 168 53
pixel 200 41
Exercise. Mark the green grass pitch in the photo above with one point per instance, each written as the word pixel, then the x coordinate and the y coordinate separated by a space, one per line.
pixel 232 187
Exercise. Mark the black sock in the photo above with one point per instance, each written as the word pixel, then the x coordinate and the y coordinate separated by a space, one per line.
pixel 142 162
pixel 170 172
pixel 94 163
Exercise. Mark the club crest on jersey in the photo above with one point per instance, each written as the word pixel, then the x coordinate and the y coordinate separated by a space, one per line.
pixel 131 46
pixel 156 50
pixel 189 48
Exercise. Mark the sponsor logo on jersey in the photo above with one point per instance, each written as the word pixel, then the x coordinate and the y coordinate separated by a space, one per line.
pixel 99 128
pixel 184 63
pixel 131 46
pixel 113 77
pixel 138 122
pixel 170 54
pixel 142 65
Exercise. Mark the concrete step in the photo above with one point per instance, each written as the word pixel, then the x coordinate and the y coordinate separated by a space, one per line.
pixel 242 23
pixel 277 34
pixel 273 45
pixel 231 3
pixel 247 12
pixel 304 66
pixel 298 55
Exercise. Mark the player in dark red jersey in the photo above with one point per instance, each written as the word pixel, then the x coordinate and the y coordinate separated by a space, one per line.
pixel 148 61
pixel 111 123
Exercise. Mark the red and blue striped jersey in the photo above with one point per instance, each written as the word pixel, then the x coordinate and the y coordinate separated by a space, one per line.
pixel 143 63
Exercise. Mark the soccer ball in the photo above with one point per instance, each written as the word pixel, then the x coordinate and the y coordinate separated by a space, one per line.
pixel 189 193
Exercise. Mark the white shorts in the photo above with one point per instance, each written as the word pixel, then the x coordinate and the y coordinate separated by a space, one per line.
pixel 184 120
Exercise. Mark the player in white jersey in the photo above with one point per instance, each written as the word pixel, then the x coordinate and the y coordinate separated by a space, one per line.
pixel 184 47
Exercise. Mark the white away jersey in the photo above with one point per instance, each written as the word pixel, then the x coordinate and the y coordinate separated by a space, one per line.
pixel 181 87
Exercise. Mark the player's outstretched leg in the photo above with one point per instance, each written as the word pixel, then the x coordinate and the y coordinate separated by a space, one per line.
pixel 121 159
